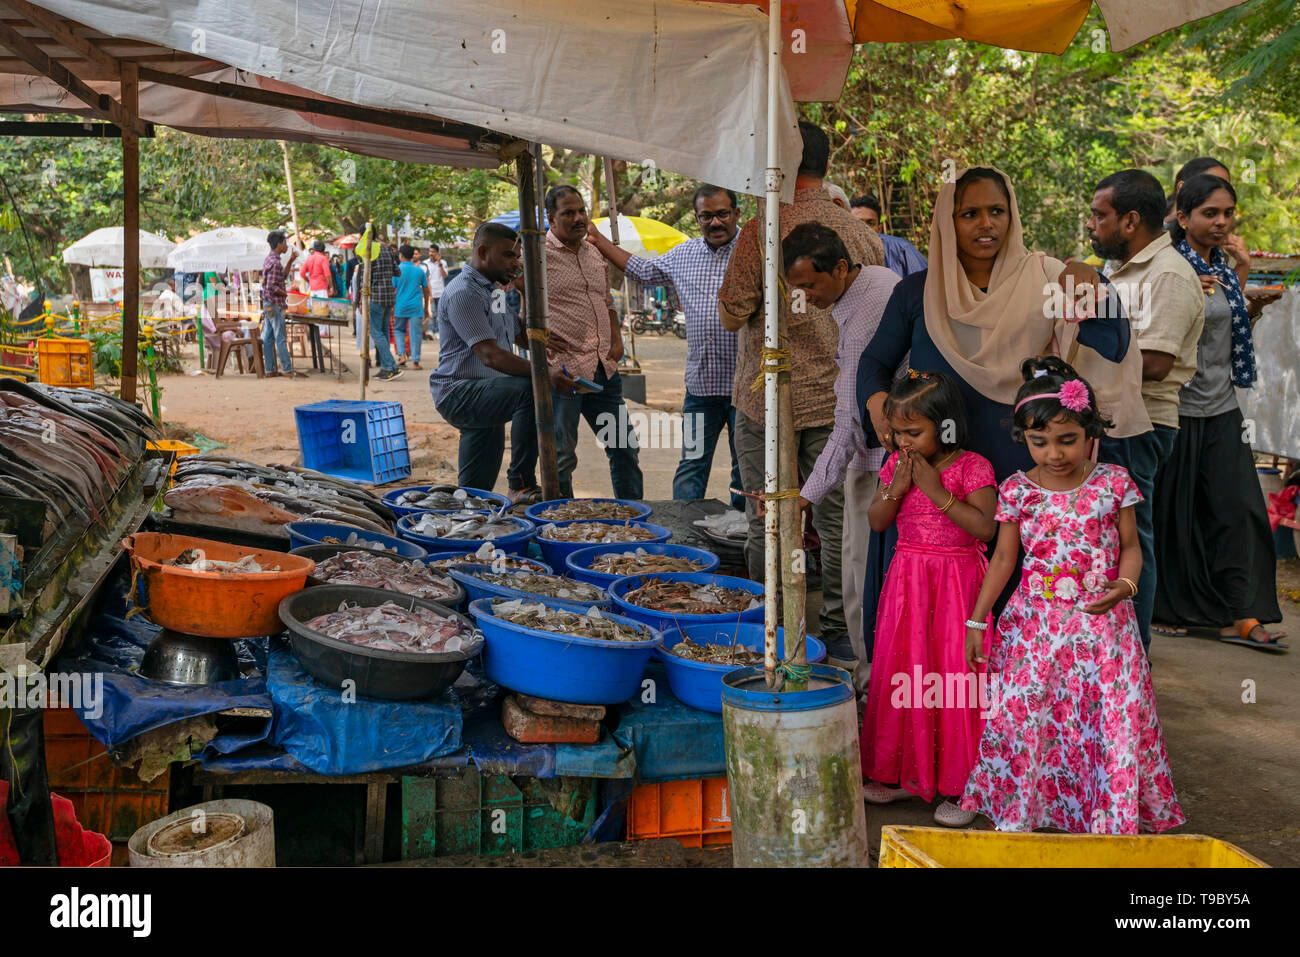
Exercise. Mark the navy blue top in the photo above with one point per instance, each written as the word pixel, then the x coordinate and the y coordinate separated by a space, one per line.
pixel 902 328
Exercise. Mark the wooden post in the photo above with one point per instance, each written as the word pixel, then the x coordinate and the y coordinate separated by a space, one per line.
pixel 363 340
pixel 611 187
pixel 131 230
pixel 293 205
pixel 528 164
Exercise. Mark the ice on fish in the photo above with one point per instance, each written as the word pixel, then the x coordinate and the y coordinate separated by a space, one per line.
pixel 597 532
pixel 376 571
pixel 466 525
pixel 390 627
pixel 443 498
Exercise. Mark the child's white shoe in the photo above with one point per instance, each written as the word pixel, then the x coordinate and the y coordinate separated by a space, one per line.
pixel 950 815
pixel 874 793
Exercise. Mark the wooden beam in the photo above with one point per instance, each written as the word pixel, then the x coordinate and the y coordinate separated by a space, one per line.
pixel 81 68
pixel 61 30
pixel 131 231
pixel 303 104
pixel 65 130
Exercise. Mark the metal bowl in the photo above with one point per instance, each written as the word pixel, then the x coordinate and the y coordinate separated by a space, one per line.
pixel 189 660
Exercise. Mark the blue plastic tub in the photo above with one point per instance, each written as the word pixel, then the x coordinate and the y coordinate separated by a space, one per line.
pixel 556 553
pixel 361 441
pixel 514 544
pixel 541 566
pixel 561 667
pixel 664 621
pixel 477 588
pixel 534 511
pixel 390 498
pixel 311 533
pixel 578 564
pixel 698 683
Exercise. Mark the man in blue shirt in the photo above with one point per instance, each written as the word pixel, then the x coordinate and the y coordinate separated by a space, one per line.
pixel 479 384
pixel 900 255
pixel 411 305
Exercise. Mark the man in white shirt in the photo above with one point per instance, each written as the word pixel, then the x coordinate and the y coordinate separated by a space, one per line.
pixel 437 270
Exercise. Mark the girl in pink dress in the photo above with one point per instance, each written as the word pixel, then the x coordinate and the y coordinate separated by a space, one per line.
pixel 1073 742
pixel 922 725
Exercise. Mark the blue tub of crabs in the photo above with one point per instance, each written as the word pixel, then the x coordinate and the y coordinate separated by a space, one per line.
pixel 542 649
pixel 673 599
pixel 698 683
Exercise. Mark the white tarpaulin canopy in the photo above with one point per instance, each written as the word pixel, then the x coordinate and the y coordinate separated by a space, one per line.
pixel 673 83
pixel 237 248
pixel 103 247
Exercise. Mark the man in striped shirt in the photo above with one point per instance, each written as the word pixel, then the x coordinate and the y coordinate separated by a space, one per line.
pixel 695 269
pixel 274 298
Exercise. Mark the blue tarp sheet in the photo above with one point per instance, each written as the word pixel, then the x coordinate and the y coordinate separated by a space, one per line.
pixel 671 741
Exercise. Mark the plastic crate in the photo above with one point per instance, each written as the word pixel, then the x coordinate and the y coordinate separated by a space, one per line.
pixel 361 441
pixel 172 445
pixel 941 847
pixel 65 362
pixel 694 812
pixel 109 799
pixel 475 813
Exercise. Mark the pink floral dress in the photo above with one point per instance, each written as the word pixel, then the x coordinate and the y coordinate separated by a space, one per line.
pixel 1074 741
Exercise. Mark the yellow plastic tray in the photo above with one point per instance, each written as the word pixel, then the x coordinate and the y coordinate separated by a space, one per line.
pixel 940 847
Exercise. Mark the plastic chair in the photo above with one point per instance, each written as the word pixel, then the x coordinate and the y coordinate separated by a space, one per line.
pixel 236 344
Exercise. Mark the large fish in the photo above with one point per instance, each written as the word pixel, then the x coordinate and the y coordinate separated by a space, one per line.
pixel 225 506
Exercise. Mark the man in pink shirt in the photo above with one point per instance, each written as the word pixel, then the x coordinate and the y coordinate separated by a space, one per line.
pixel 818 265
pixel 316 270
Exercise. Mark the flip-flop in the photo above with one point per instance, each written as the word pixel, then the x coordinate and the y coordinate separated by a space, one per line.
pixel 1168 631
pixel 1271 643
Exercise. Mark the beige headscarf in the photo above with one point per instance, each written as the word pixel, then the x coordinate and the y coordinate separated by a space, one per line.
pixel 986 335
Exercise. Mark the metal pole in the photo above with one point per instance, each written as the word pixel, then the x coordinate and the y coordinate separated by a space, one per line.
pixel 529 167
pixel 771 341
pixel 363 341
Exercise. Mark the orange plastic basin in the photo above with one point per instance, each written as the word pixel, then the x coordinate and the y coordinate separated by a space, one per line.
pixel 216 604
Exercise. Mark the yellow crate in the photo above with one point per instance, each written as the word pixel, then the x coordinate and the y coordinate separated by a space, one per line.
pixel 173 445
pixel 941 847
pixel 65 362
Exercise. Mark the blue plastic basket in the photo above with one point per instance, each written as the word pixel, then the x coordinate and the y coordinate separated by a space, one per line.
pixel 477 588
pixel 556 553
pixel 561 667
pixel 311 533
pixel 699 683
pixel 513 544
pixel 664 621
pixel 535 510
pixel 390 499
pixel 541 566
pixel 579 563
pixel 361 441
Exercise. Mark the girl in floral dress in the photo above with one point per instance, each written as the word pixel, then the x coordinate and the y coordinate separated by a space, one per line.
pixel 921 730
pixel 1074 741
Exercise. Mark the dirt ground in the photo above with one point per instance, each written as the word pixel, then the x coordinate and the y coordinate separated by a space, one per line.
pixel 1230 714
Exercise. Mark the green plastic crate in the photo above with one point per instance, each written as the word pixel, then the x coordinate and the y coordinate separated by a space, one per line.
pixel 491 814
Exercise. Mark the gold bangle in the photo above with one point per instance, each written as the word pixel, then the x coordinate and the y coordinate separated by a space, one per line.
pixel 1132 586
pixel 952 497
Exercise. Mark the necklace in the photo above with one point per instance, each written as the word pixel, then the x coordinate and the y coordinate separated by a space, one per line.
pixel 938 466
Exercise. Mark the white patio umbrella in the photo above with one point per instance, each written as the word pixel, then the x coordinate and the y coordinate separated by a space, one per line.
pixel 230 248
pixel 104 247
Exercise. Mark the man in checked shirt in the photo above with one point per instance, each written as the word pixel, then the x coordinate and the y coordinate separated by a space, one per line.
pixel 695 269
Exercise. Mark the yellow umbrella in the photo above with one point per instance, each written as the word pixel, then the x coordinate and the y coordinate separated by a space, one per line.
pixel 639 235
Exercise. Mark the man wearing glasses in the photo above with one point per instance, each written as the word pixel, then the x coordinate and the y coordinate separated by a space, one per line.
pixel 695 269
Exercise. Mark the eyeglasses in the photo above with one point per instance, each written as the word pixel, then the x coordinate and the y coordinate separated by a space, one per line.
pixel 721 217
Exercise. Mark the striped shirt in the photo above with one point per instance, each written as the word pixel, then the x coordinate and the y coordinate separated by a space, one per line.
pixel 857 313
pixel 273 279
pixel 465 316
pixel 382 272
pixel 695 269
pixel 578 304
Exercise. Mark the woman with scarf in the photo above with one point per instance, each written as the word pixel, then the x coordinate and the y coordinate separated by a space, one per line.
pixel 1214 546
pixel 985 304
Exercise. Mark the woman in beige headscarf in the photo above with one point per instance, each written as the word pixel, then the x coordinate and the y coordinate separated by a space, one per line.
pixel 985 305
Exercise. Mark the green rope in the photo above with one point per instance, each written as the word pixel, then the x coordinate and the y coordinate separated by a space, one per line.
pixel 793 672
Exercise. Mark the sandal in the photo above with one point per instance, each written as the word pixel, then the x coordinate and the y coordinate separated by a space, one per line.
pixel 1168 631
pixel 1269 640
pixel 951 815
pixel 524 496
pixel 876 793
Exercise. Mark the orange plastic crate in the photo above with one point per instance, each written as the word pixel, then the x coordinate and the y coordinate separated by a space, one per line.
pixel 65 362
pixel 694 812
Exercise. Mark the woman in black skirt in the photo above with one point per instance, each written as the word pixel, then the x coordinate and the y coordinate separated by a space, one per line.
pixel 1214 546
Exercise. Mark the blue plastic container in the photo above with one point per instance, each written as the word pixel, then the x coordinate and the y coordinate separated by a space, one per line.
pixel 664 621
pixel 698 683
pixel 541 566
pixel 361 441
pixel 556 553
pixel 515 543
pixel 390 499
pixel 534 511
pixel 561 667
pixel 578 564
pixel 311 533
pixel 477 588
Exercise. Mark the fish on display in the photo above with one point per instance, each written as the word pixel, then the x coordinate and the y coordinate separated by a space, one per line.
pixel 445 498
pixel 588 508
pixel 597 532
pixel 590 624
pixel 486 555
pixel 728 654
pixel 390 627
pixel 468 525
pixel 641 562
pixel 692 598
pixel 192 560
pixel 376 571
pixel 552 586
